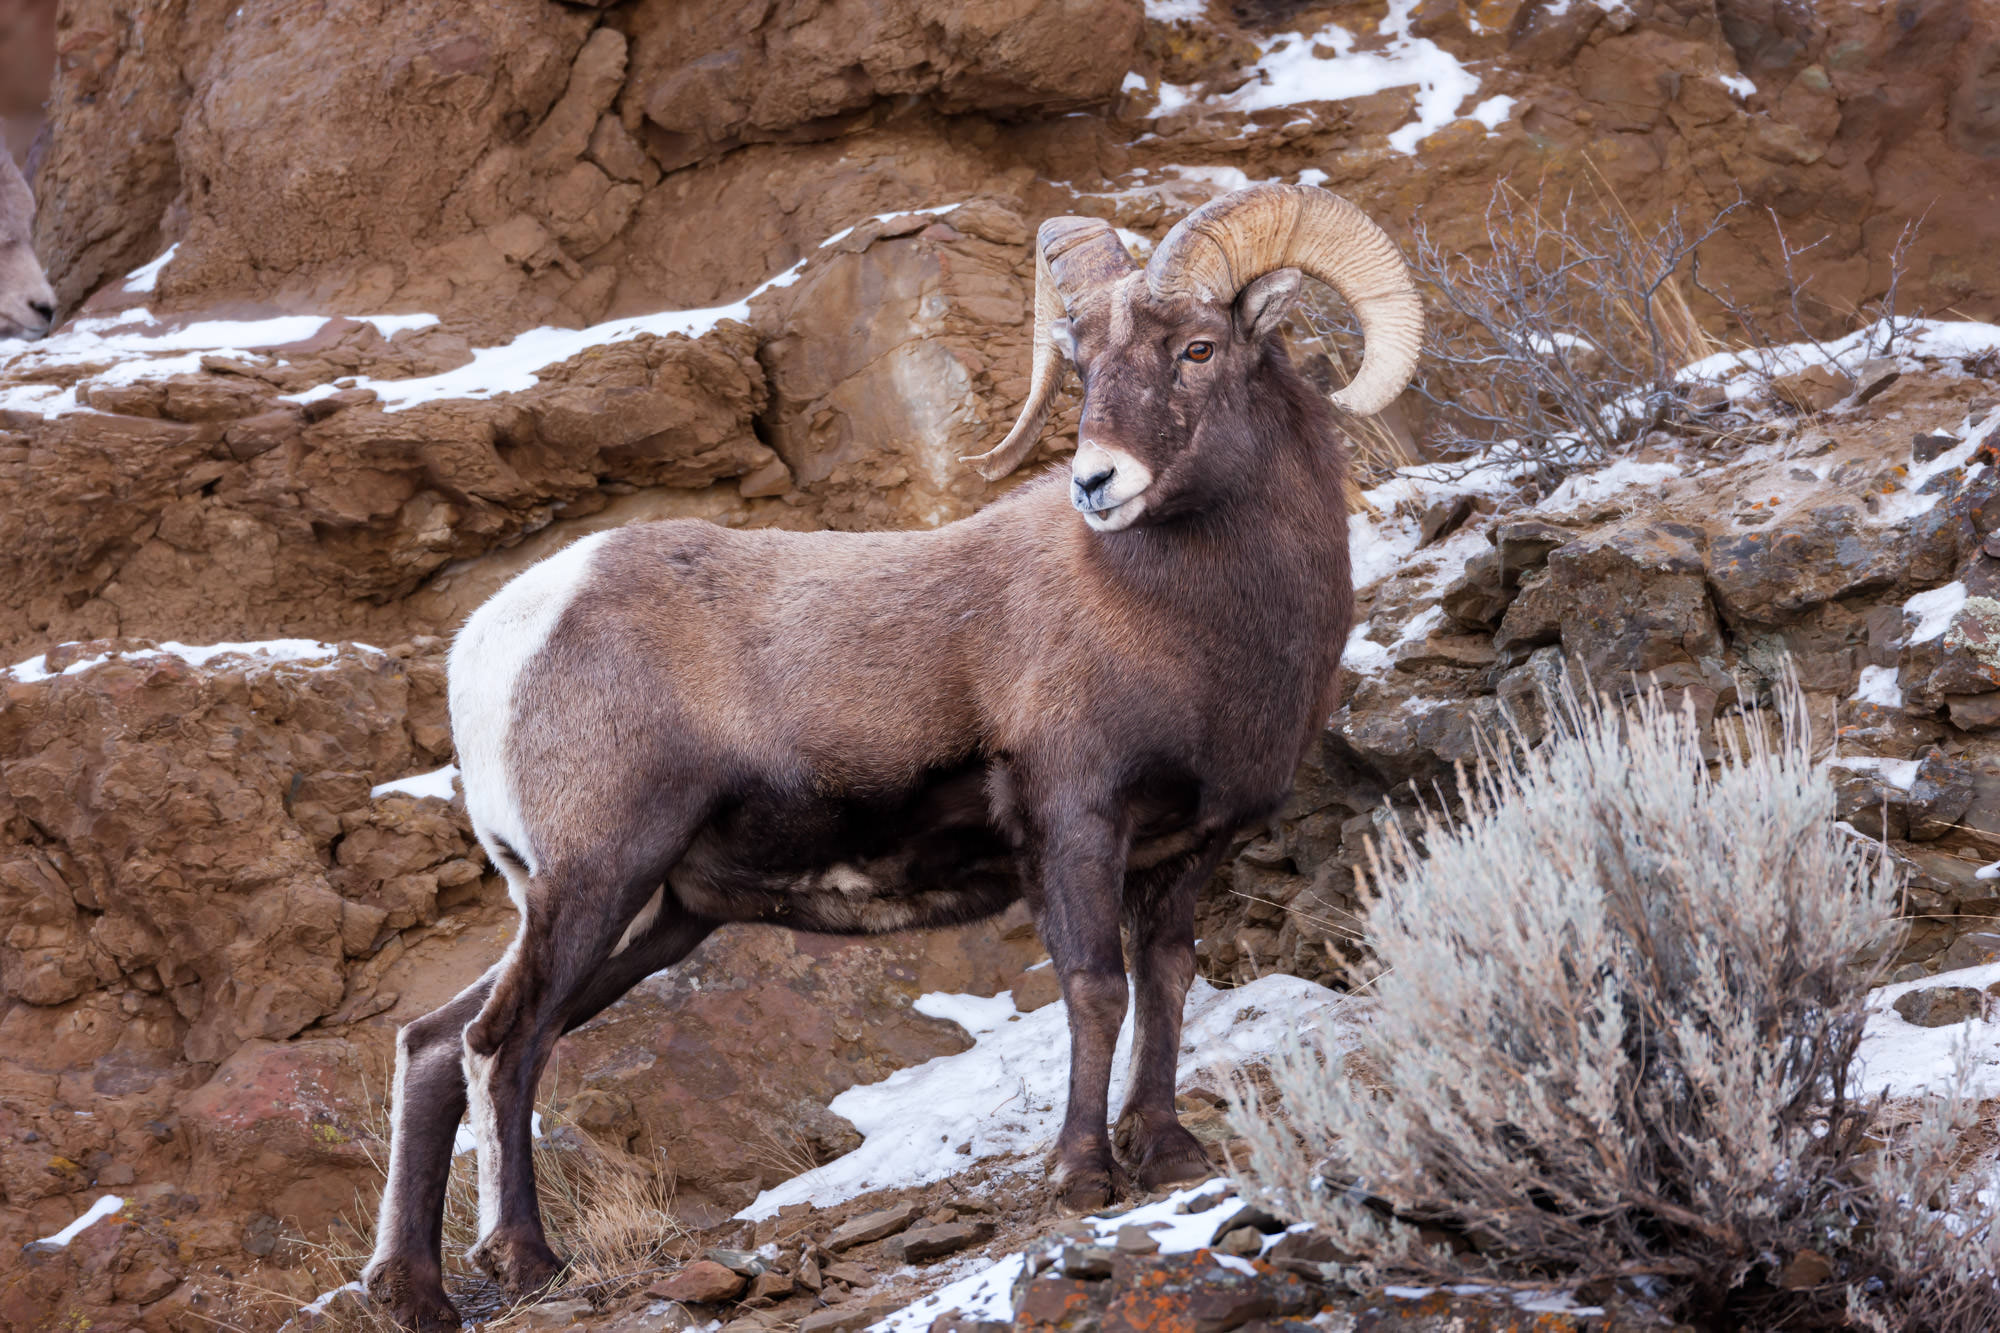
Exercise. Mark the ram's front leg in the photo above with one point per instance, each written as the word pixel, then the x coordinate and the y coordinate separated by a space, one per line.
pixel 1081 865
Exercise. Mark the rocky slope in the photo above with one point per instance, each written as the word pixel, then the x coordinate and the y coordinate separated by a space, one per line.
pixel 371 306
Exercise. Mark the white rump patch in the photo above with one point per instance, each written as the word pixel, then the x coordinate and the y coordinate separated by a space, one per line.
pixel 487 659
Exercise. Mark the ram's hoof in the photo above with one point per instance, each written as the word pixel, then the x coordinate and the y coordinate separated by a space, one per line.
pixel 521 1265
pixel 410 1301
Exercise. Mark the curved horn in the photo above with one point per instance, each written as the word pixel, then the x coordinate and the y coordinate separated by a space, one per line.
pixel 1227 243
pixel 1073 255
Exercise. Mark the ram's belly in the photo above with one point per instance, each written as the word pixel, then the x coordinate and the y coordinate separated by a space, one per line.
pixel 927 857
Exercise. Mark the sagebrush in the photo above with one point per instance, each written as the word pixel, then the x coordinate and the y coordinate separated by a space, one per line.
pixel 1614 1018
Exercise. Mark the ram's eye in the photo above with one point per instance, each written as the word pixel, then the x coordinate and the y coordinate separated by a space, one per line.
pixel 1198 352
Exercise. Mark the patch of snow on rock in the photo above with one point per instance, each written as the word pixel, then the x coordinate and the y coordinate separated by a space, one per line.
pixel 1005 1096
pixel 97 1212
pixel 1880 685
pixel 1581 489
pixel 1935 610
pixel 147 276
pixel 1739 85
pixel 516 365
pixel 1897 773
pixel 1324 66
pixel 270 650
pixel 131 346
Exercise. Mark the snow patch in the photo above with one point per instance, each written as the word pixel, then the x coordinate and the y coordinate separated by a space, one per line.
pixel 1897 773
pixel 438 782
pixel 1935 610
pixel 1581 489
pixel 147 276
pixel 1880 685
pixel 1005 1096
pixel 270 650
pixel 129 348
pixel 1324 66
pixel 1736 83
pixel 1493 112
pixel 97 1212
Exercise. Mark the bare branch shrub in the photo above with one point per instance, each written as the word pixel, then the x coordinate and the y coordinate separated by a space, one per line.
pixel 1614 1024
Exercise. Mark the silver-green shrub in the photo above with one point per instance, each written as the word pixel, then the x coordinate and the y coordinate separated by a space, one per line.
pixel 1611 1029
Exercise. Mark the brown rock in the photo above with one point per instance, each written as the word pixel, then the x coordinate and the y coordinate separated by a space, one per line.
pixel 1477 598
pixel 1940 1006
pixel 1635 599
pixel 1805 1270
pixel 711 79
pixel 926 1243
pixel 870 1227
pixel 770 1286
pixel 848 1318
pixel 1974 712
pixel 1973 949
pixel 1036 988
pixel 1816 388
pixel 703 1282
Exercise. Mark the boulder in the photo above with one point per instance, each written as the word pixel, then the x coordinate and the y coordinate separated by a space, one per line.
pixel 712 78
pixel 1940 1006
pixel 1773 575
pixel 1635 599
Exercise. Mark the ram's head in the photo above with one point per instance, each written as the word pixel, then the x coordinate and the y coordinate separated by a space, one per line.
pixel 27 305
pixel 1169 353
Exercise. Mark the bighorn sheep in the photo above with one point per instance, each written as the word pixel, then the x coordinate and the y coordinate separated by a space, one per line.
pixel 27 305
pixel 674 725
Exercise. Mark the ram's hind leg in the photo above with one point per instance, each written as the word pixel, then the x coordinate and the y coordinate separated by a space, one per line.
pixel 405 1274
pixel 571 958
pixel 1159 923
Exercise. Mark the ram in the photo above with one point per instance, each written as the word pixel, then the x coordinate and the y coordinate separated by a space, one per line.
pixel 27 305
pixel 1077 697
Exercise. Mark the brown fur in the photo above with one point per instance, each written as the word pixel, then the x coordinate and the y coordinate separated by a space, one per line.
pixel 860 733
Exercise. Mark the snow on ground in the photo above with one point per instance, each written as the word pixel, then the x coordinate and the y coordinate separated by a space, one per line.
pixel 516 365
pixel 439 782
pixel 1324 66
pixel 1902 1059
pixel 1581 490
pixel 1745 370
pixel 989 1294
pixel 97 1212
pixel 270 650
pixel 1005 1096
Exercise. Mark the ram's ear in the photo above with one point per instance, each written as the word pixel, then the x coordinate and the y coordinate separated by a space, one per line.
pixel 1062 332
pixel 1263 304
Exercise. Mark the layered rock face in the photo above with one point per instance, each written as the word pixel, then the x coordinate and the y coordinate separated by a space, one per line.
pixel 371 305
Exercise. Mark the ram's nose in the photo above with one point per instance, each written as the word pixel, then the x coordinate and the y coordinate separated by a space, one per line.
pixel 1087 493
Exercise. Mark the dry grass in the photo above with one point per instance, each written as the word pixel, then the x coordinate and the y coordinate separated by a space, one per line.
pixel 610 1212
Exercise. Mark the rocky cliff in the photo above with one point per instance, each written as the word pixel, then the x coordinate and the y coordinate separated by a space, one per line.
pixel 370 305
